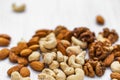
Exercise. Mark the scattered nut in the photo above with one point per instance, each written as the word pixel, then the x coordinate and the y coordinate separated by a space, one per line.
pixel 24 72
pixel 100 20
pixel 20 8
pixel 25 52
pixel 37 65
pixel 34 56
pixel 4 53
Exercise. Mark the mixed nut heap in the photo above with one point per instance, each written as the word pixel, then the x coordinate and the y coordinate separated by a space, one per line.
pixel 60 54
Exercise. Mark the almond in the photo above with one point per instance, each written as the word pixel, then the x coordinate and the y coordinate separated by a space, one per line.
pixel 4 53
pixel 4 41
pixel 40 34
pixel 13 57
pixel 61 48
pixel 100 20
pixel 34 40
pixel 26 52
pixel 22 61
pixel 24 72
pixel 15 50
pixel 22 45
pixel 14 68
pixel 5 36
pixel 109 60
pixel 37 65
pixel 34 47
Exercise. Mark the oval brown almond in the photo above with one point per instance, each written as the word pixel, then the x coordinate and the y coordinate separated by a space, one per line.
pixel 25 52
pixel 25 72
pixel 37 65
pixel 34 47
pixel 5 36
pixel 4 53
pixel 13 57
pixel 4 41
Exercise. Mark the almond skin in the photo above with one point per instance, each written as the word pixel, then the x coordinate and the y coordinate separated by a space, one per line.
pixel 14 68
pixel 25 52
pixel 4 41
pixel 4 53
pixel 100 20
pixel 37 65
pixel 5 36
pixel 34 47
pixel 109 60
pixel 22 61
pixel 25 72
pixel 13 57
pixel 33 40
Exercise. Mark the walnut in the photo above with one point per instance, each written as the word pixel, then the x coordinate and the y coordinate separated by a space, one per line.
pixel 99 69
pixel 92 67
pixel 115 75
pixel 111 35
pixel 99 50
pixel 62 32
pixel 116 50
pixel 84 34
pixel 88 69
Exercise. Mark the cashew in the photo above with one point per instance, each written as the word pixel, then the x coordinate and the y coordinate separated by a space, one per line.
pixel 72 63
pixel 20 8
pixel 115 66
pixel 101 38
pixel 67 70
pixel 49 57
pixel 65 58
pixel 65 42
pixel 77 42
pixel 78 76
pixel 54 65
pixel 44 76
pixel 50 41
pixel 114 79
pixel 16 76
pixel 80 58
pixel 74 49
pixel 48 71
pixel 60 75
pixel 60 57
pixel 34 56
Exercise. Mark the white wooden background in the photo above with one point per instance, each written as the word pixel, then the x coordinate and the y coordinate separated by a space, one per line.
pixel 49 14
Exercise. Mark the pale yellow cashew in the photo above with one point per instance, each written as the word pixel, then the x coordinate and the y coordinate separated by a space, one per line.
pixel 67 70
pixel 60 57
pixel 48 71
pixel 44 76
pixel 72 63
pixel 115 66
pixel 77 42
pixel 20 8
pixel 74 49
pixel 60 75
pixel 80 58
pixel 49 57
pixel 35 55
pixel 79 75
pixel 54 65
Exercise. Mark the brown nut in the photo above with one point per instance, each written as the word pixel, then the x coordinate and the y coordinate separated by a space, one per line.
pixel 22 61
pixel 40 34
pixel 100 20
pixel 112 35
pixel 33 40
pixel 4 41
pixel 22 45
pixel 108 60
pixel 115 75
pixel 61 48
pixel 13 57
pixel 5 36
pixel 15 50
pixel 25 52
pixel 14 68
pixel 24 72
pixel 100 69
pixel 34 47
pixel 37 65
pixel 88 69
pixel 4 53
pixel 84 34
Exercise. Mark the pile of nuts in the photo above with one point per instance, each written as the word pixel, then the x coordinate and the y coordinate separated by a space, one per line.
pixel 60 54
